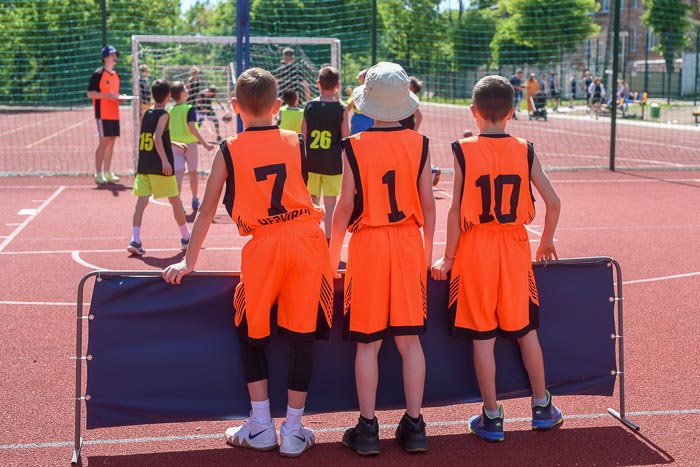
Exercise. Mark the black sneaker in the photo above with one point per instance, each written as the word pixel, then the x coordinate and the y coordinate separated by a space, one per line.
pixel 135 248
pixel 411 435
pixel 363 438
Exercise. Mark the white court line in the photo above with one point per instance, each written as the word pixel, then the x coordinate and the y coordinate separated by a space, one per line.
pixel 16 129
pixel 152 439
pixel 53 135
pixel 13 302
pixel 120 250
pixel 662 278
pixel 76 257
pixel 30 218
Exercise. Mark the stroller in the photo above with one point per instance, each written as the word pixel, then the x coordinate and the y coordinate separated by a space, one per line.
pixel 539 106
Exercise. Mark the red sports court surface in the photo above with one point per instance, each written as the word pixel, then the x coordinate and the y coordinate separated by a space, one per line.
pixel 55 230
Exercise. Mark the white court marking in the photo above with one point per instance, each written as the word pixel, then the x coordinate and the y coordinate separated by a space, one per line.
pixel 75 255
pixel 340 429
pixel 26 212
pixel 30 218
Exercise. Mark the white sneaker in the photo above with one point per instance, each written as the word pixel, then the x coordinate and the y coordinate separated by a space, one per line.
pixel 253 435
pixel 294 443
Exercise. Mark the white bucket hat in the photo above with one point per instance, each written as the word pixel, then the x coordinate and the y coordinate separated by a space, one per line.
pixel 385 94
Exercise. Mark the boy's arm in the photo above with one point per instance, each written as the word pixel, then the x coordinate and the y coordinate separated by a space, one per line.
pixel 304 126
pixel 546 249
pixel 444 265
pixel 160 149
pixel 419 118
pixel 342 213
pixel 347 115
pixel 205 215
pixel 193 128
pixel 344 125
pixel 427 204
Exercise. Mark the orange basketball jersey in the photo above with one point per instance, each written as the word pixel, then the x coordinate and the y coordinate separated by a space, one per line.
pixel 386 164
pixel 496 184
pixel 267 165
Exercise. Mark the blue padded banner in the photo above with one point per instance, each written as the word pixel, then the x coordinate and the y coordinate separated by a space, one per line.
pixel 164 353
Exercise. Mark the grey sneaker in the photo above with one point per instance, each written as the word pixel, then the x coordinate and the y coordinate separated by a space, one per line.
pixel 135 248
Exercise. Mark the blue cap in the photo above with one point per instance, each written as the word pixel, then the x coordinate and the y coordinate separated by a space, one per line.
pixel 108 50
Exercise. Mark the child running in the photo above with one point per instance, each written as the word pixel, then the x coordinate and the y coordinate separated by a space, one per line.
pixel 285 263
pixel 154 171
pixel 492 288
pixel 384 201
pixel 323 126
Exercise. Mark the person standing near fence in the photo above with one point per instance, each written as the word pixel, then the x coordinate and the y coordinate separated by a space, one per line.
pixel 597 92
pixel 492 286
pixel 517 82
pixel 554 92
pixel 286 262
pixel 573 84
pixel 194 85
pixel 144 88
pixel 104 92
pixel 386 197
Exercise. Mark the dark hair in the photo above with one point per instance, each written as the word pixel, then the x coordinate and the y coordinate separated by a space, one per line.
pixel 328 78
pixel 256 91
pixel 290 97
pixel 493 97
pixel 176 89
pixel 160 90
pixel 212 89
pixel 417 84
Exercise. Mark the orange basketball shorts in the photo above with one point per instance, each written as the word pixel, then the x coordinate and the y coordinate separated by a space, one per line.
pixel 492 288
pixel 287 265
pixel 385 283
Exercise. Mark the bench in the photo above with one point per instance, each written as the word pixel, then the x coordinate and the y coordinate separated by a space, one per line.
pixel 696 114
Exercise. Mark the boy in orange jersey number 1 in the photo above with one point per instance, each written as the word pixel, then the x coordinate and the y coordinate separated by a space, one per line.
pixel 492 286
pixel 286 262
pixel 384 201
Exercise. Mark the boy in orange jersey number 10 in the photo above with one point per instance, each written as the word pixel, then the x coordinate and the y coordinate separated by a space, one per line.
pixel 286 262
pixel 492 286
pixel 383 202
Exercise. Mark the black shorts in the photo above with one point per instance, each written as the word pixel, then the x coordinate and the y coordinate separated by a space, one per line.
pixel 107 127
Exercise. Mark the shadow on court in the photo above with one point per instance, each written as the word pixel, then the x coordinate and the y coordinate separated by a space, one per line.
pixel 576 446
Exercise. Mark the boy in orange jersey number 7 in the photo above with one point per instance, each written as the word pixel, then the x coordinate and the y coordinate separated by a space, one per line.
pixel 285 263
pixel 384 201
pixel 492 287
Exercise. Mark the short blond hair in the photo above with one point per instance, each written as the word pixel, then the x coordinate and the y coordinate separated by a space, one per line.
pixel 256 91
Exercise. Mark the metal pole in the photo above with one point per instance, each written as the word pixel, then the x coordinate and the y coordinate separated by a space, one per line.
pixel 646 67
pixel 104 23
pixel 374 32
pixel 613 86
pixel 242 43
pixel 597 45
pixel 697 64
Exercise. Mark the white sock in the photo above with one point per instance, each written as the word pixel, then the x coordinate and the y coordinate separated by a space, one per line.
pixel 261 411
pixel 492 413
pixel 184 231
pixel 293 421
pixel 541 402
pixel 136 234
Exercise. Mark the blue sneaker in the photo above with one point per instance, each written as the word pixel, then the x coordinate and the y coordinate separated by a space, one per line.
pixel 546 417
pixel 135 248
pixel 184 243
pixel 487 428
pixel 195 204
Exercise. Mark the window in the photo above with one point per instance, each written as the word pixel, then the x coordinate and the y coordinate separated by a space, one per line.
pixel 634 3
pixel 651 38
pixel 633 40
pixel 604 6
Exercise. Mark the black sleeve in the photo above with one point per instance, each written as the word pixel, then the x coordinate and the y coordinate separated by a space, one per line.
pixel 95 80
pixel 230 191
pixel 304 164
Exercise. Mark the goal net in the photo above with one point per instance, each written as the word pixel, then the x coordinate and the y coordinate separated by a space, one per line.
pixel 173 57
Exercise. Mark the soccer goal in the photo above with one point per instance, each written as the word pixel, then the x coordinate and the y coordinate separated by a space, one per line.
pixel 172 57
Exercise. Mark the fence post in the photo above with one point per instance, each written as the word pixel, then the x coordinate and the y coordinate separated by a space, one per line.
pixel 613 86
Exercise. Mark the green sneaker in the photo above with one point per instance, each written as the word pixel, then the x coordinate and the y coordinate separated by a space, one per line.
pixel 100 179
pixel 110 177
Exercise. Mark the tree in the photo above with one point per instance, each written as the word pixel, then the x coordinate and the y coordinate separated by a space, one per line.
pixel 540 31
pixel 669 20
pixel 471 37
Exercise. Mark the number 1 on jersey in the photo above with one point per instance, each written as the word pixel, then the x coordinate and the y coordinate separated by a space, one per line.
pixel 389 179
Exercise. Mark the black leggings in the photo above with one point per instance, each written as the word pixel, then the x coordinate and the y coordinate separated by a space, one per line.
pixel 300 363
